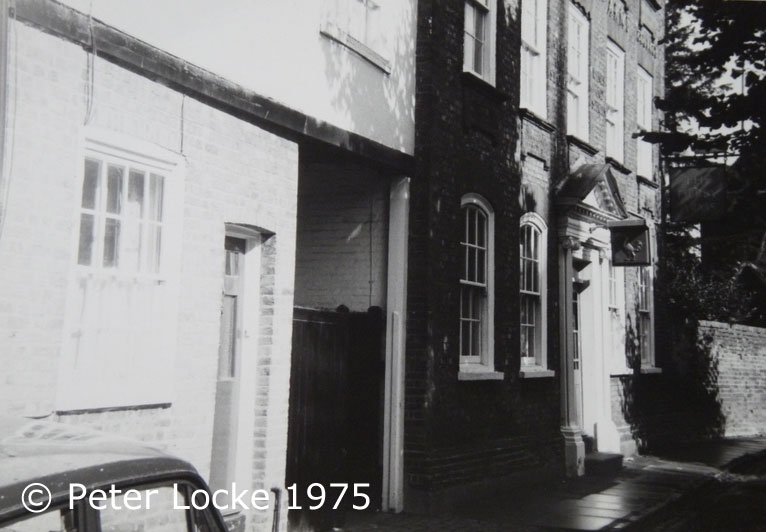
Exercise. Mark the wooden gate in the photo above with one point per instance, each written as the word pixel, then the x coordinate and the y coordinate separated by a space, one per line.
pixel 336 408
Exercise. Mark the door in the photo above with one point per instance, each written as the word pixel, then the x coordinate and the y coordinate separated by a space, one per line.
pixel 336 405
pixel 226 418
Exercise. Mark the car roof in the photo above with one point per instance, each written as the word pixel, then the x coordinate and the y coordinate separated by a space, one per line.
pixel 58 454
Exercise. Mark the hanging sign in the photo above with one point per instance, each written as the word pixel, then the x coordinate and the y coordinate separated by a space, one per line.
pixel 698 194
pixel 630 242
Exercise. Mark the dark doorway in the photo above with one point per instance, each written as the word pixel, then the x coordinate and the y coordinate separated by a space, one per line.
pixel 336 410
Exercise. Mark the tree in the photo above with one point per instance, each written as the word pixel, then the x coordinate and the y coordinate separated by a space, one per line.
pixel 707 46
pixel 715 102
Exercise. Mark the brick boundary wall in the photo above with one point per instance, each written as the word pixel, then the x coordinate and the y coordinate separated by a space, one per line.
pixel 740 354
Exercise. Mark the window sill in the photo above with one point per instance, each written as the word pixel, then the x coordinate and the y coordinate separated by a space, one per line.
pixel 625 372
pixel 535 372
pixel 531 116
pixel 617 165
pixel 479 373
pixel 101 410
pixel 362 50
pixel 471 78
pixel 583 145
pixel 647 181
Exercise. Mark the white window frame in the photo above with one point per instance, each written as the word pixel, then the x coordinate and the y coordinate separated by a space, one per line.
pixel 537 365
pixel 644 97
pixel 534 58
pixel 481 366
pixel 578 71
pixel 615 305
pixel 645 318
pixel 487 10
pixel 92 376
pixel 368 38
pixel 615 101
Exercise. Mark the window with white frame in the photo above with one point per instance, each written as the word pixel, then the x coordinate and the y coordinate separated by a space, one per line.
pixel 476 284
pixel 479 38
pixel 534 89
pixel 578 30
pixel 358 24
pixel 645 316
pixel 121 309
pixel 615 102
pixel 613 286
pixel 644 87
pixel 615 334
pixel 532 286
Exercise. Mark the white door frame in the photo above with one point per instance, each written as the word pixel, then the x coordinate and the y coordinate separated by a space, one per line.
pixel 396 334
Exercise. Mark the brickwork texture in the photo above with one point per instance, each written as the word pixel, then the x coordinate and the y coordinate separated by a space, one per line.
pixel 234 172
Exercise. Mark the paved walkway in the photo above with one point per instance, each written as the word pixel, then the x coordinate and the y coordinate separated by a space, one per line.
pixel 645 485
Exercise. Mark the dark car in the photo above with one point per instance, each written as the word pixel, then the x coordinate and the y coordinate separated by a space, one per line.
pixel 56 477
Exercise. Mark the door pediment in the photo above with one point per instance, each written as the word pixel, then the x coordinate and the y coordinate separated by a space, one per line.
pixel 593 189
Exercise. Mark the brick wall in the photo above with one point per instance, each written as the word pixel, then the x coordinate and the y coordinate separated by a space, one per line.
pixel 342 237
pixel 466 435
pixel 711 386
pixel 739 355
pixel 234 172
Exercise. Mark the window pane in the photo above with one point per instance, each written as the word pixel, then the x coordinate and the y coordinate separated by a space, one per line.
pixel 481 260
pixel 135 205
pixel 153 248
pixel 481 239
pixel 471 264
pixel 52 521
pixel 111 242
pixel 476 347
pixel 465 338
pixel 478 57
pixel 162 514
pixel 155 197
pixel 467 35
pixel 90 184
pixel 226 357
pixel 467 303
pixel 526 347
pixel 235 248
pixel 131 240
pixel 114 189
pixel 87 238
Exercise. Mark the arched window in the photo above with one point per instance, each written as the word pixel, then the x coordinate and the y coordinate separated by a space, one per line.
pixel 476 285
pixel 532 287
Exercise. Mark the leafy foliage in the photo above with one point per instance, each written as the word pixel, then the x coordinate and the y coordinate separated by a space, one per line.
pixel 694 292
pixel 715 101
pixel 708 45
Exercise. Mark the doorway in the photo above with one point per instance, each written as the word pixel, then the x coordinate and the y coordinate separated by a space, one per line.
pixel 336 410
pixel 233 421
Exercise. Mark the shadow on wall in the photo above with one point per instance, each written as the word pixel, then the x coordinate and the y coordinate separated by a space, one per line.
pixel 358 87
pixel 680 405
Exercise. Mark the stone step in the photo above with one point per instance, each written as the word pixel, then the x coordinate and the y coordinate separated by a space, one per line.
pixel 597 463
pixel 590 443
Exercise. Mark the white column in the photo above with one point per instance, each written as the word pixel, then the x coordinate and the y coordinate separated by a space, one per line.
pixel 396 328
pixel 574 447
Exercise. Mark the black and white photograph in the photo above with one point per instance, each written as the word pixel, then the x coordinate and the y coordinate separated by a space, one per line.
pixel 382 265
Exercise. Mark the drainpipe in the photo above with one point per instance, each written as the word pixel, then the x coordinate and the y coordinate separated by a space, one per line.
pixel 277 500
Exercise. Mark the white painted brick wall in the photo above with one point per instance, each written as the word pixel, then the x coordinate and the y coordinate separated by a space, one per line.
pixel 235 172
pixel 340 250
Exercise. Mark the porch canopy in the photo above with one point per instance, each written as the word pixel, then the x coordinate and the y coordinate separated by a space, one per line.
pixel 596 178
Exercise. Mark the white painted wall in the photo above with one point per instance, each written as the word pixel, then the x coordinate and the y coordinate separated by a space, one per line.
pixel 275 48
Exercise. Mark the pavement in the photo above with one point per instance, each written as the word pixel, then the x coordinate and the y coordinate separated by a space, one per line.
pixel 647 486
